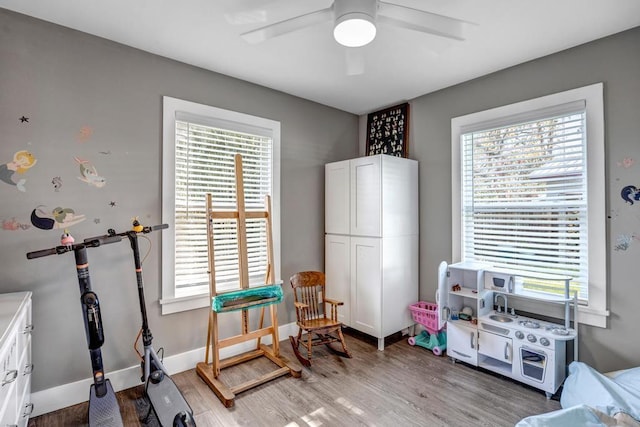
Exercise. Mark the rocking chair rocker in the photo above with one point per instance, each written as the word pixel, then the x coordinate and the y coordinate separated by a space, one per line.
pixel 311 312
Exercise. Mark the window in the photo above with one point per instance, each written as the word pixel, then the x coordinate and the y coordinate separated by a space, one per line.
pixel 531 182
pixel 199 145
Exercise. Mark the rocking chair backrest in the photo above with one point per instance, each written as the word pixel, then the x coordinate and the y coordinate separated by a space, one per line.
pixel 309 288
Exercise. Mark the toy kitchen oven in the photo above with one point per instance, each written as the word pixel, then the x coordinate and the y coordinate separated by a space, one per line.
pixel 528 350
pixel 536 349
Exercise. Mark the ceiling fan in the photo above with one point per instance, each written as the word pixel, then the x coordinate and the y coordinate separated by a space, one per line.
pixel 355 22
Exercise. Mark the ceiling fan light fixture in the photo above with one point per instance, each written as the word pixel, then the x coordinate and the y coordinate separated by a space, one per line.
pixel 354 29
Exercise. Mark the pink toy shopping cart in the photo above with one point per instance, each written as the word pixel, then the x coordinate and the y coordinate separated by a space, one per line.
pixel 433 338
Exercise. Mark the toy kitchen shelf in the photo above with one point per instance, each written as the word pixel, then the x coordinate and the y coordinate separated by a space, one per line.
pixel 476 281
pixel 510 276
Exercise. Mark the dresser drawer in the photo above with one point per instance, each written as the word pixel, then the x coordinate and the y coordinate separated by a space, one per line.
pixel 8 378
pixel 24 327
pixel 9 372
pixel 15 358
pixel 25 368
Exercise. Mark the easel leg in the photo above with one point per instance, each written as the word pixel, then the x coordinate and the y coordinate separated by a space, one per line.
pixel 274 323
pixel 209 334
pixel 260 324
pixel 214 341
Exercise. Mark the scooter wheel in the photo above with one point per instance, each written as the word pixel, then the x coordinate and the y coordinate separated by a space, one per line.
pixel 437 351
pixel 184 419
pixel 156 376
pixel 412 341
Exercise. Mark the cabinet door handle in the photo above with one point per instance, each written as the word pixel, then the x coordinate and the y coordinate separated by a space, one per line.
pixel 28 410
pixel 471 340
pixel 506 351
pixel 28 369
pixel 462 354
pixel 10 377
pixel 28 329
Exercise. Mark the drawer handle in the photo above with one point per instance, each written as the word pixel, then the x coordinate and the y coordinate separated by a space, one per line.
pixel 28 329
pixel 10 377
pixel 28 369
pixel 28 410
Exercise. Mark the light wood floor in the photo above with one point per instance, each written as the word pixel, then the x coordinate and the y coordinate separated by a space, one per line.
pixel 402 386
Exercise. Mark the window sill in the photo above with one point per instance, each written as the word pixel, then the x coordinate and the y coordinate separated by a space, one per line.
pixel 593 317
pixel 178 304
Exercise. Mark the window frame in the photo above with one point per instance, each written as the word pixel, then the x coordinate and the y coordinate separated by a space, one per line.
pixel 595 312
pixel 172 108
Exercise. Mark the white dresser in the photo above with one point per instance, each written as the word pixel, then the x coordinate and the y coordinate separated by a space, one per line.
pixel 15 357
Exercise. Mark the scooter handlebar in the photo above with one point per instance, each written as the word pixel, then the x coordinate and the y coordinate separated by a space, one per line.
pixel 157 227
pixel 112 236
pixel 41 253
pixel 92 242
pixel 102 240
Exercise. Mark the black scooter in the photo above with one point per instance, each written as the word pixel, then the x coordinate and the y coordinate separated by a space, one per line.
pixel 165 398
pixel 103 405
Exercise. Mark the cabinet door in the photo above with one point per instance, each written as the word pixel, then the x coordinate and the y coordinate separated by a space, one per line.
pixel 442 294
pixel 337 273
pixel 366 285
pixel 462 343
pixel 336 197
pixel 495 346
pixel 366 197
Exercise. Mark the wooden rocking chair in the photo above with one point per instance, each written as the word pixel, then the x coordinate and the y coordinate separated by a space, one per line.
pixel 311 312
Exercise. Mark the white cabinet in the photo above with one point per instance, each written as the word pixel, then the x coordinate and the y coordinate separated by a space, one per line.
pixel 336 196
pixel 366 197
pixel 460 286
pixel 366 291
pixel 374 196
pixel 15 358
pixel 495 352
pixel 495 346
pixel 371 242
pixel 338 273
pixel 462 343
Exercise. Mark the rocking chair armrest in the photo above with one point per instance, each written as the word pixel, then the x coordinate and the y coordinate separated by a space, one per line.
pixel 301 310
pixel 334 308
pixel 300 305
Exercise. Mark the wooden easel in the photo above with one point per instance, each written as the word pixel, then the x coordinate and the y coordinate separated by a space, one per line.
pixel 209 372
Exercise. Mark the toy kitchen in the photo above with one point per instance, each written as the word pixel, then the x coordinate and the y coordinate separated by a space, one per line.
pixel 526 349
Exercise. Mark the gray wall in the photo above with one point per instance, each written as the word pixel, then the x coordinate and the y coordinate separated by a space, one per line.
pixel 616 62
pixel 64 80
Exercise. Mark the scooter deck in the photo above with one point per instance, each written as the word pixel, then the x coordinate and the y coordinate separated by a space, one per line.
pixel 104 411
pixel 166 400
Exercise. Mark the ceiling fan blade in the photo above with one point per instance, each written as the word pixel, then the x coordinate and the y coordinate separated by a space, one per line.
pixel 246 16
pixel 241 12
pixel 287 26
pixel 354 61
pixel 419 20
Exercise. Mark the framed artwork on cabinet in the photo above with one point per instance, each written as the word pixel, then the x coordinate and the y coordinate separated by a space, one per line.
pixel 388 131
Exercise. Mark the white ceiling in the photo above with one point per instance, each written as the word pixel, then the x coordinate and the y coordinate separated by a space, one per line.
pixel 400 64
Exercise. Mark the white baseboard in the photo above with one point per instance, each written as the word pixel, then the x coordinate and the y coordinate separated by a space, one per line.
pixel 59 397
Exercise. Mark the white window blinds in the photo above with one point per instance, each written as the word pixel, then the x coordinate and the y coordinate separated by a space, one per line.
pixel 524 201
pixel 204 152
